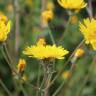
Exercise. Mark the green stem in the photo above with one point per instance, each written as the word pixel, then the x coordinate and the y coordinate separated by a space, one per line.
pixel 5 88
pixel 57 91
pixel 7 53
pixel 42 83
pixel 64 84
pixel 5 57
pixel 8 58
pixel 61 71
pixel 33 86
pixel 51 36
pixel 79 93
pixel 67 26
pixel 23 90
pixel 48 71
pixel 38 81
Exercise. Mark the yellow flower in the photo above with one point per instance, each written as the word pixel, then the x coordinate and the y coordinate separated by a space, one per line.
pixel 72 4
pixel 47 16
pixel 74 19
pixel 50 6
pixel 21 65
pixel 79 52
pixel 4 27
pixel 88 29
pixel 66 74
pixel 29 2
pixel 9 8
pixel 41 51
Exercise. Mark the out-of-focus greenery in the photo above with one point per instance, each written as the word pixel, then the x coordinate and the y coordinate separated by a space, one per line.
pixel 30 31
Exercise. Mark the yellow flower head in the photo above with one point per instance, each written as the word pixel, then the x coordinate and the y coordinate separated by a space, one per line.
pixel 9 8
pixel 74 19
pixel 21 65
pixel 40 51
pixel 47 16
pixel 4 27
pixel 88 29
pixel 72 4
pixel 66 74
pixel 29 2
pixel 50 6
pixel 79 52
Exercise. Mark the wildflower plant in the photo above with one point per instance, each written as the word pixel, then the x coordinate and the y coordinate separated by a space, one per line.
pixel 51 66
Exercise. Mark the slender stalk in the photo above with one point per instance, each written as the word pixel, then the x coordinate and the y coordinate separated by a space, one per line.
pixel 48 68
pixel 89 9
pixel 61 71
pixel 38 80
pixel 42 83
pixel 9 62
pixel 64 85
pixel 21 85
pixel 43 7
pixel 57 91
pixel 17 25
pixel 66 29
pixel 5 57
pixel 33 86
pixel 79 92
pixel 7 54
pixel 5 88
pixel 46 90
pixel 51 36
pixel 23 90
pixel 8 58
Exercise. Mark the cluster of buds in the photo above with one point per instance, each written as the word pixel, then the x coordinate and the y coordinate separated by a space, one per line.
pixel 20 71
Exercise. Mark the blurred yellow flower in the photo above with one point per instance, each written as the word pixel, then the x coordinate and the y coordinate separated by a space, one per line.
pixel 46 16
pixel 66 74
pixel 74 19
pixel 88 29
pixel 79 52
pixel 4 27
pixel 50 6
pixel 9 8
pixel 29 2
pixel 41 51
pixel 21 65
pixel 72 4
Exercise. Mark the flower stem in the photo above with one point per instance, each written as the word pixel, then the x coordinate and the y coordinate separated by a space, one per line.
pixel 48 72
pixel 79 92
pixel 61 71
pixel 66 29
pixel 5 88
pixel 5 57
pixel 9 62
pixel 38 80
pixel 8 57
pixel 51 36
pixel 7 53
pixel 64 85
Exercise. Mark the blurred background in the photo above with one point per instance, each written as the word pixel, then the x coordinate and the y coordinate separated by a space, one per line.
pixel 27 28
